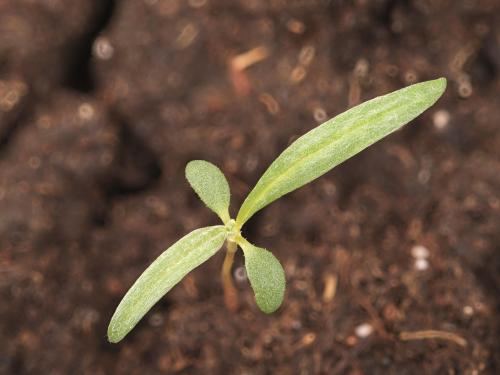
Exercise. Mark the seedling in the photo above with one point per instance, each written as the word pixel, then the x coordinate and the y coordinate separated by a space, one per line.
pixel 309 157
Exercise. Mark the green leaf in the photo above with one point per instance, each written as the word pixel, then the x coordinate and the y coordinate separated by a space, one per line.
pixel 211 186
pixel 266 276
pixel 161 276
pixel 338 139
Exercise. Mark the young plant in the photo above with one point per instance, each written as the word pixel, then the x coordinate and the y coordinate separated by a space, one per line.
pixel 309 157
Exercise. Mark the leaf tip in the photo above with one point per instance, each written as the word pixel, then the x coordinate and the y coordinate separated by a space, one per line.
pixel 190 168
pixel 440 85
pixel 210 185
pixel 266 276
pixel 266 307
pixel 113 337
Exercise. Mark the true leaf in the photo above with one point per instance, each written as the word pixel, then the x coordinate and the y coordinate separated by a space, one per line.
pixel 336 140
pixel 161 276
pixel 266 276
pixel 211 186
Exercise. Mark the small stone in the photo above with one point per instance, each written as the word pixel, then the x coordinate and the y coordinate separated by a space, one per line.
pixel 295 26
pixel 308 339
pixel 86 111
pixel 319 114
pixel 240 274
pixel 441 119
pixel 351 340
pixel 421 264
pixel 420 252
pixel 468 310
pixel 363 330
pixel 103 49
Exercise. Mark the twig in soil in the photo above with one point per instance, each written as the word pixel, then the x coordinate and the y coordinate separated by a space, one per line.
pixel 433 334
pixel 306 57
pixel 271 104
pixel 239 63
pixel 359 73
pixel 246 59
pixel 307 340
pixel 457 64
pixel 330 287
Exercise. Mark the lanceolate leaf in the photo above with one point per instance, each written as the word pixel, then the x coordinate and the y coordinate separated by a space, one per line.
pixel 211 186
pixel 161 276
pixel 266 276
pixel 335 141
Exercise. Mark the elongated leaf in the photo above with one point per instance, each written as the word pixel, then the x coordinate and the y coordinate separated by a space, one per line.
pixel 161 276
pixel 336 140
pixel 211 186
pixel 266 276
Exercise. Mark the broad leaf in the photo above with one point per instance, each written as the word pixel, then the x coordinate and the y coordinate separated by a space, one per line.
pixel 211 186
pixel 336 140
pixel 266 276
pixel 161 276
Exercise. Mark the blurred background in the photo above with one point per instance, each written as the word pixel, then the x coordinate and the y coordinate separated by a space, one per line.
pixel 392 260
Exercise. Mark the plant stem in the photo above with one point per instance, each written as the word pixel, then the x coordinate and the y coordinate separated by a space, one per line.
pixel 230 293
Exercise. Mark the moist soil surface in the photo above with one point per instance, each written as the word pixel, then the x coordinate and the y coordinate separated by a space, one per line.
pixel 392 260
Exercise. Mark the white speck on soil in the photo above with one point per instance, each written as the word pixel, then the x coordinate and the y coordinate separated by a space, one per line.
pixel 420 252
pixel 421 264
pixel 363 330
pixel 86 111
pixel 240 274
pixel 468 310
pixel 103 49
pixel 441 119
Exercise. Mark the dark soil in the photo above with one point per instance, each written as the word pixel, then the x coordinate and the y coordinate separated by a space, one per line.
pixel 103 103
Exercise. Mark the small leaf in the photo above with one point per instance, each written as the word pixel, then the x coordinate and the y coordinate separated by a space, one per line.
pixel 162 275
pixel 338 139
pixel 211 186
pixel 266 276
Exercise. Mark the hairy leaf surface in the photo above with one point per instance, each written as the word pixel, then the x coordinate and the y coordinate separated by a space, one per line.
pixel 338 139
pixel 211 186
pixel 266 276
pixel 162 275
